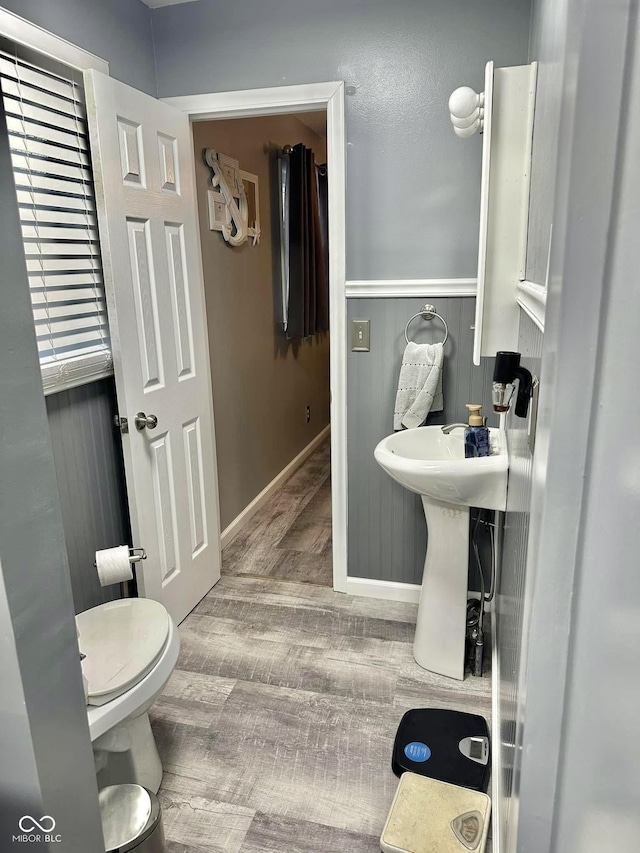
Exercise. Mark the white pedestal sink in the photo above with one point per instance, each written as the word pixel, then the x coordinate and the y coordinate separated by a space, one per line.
pixel 431 463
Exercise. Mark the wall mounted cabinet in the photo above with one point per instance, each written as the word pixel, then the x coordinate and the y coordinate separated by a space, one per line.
pixel 509 101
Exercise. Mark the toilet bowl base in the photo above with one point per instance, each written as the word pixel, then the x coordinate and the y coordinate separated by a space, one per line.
pixel 128 753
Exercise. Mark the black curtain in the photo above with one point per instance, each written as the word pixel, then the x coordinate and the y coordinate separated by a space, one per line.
pixel 308 307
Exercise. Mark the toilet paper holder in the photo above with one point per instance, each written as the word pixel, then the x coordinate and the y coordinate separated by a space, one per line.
pixel 136 555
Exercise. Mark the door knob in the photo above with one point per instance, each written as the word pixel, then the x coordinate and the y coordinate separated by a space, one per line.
pixel 141 421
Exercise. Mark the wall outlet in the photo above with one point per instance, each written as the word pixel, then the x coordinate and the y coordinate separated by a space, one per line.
pixel 308 413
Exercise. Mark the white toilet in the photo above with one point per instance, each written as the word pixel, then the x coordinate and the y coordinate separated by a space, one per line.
pixel 131 648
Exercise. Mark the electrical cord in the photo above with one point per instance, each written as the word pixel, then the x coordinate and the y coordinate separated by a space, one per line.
pixel 476 551
pixel 479 639
pixel 494 558
pixel 484 598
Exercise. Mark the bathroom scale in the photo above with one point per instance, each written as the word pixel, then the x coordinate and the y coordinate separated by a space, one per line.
pixel 451 746
pixel 428 816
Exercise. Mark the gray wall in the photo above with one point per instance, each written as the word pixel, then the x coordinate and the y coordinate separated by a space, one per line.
pixel 116 30
pixel 387 530
pixel 47 763
pixel 88 463
pixel 510 598
pixel 19 789
pixel 412 186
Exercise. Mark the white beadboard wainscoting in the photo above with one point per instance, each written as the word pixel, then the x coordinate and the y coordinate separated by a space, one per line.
pixel 387 532
pixel 87 455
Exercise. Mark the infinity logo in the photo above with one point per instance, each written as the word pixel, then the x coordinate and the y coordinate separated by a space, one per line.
pixel 45 824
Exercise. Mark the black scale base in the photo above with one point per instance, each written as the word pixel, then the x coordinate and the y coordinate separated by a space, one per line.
pixel 447 745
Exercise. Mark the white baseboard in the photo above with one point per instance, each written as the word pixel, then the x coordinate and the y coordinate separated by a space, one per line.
pixel 394 591
pixel 229 533
pixel 388 590
pixel 496 756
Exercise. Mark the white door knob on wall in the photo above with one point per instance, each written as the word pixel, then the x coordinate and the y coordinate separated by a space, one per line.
pixel 464 132
pixel 468 120
pixel 466 111
pixel 464 101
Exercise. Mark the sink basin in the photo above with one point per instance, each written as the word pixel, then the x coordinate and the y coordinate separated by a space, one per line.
pixel 431 463
pixel 426 461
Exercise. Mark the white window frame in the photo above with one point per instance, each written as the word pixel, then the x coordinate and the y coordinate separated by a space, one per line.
pixel 90 367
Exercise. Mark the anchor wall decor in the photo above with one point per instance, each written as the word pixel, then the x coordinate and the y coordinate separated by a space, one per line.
pixel 233 201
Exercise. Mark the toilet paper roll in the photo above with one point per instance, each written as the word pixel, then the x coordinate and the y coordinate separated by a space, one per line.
pixel 113 565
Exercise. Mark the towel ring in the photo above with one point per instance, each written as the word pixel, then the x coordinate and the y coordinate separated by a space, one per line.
pixel 427 312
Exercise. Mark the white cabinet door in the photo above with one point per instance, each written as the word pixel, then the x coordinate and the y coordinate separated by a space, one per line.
pixel 144 176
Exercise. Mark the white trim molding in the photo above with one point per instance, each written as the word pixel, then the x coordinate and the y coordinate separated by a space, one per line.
pixel 532 298
pixel 232 530
pixel 308 98
pixel 386 590
pixel 427 287
pixel 30 35
pixel 337 186
pixel 276 100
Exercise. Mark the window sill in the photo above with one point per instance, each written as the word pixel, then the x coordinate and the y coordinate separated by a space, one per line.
pixel 60 376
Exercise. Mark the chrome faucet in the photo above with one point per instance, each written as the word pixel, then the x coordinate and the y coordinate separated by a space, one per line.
pixel 447 429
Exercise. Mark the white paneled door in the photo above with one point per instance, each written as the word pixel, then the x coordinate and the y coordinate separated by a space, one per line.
pixel 144 176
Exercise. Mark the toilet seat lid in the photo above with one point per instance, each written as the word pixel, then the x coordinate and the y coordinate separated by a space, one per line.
pixel 121 640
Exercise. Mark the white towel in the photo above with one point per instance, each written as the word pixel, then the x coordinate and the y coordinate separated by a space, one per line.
pixel 419 385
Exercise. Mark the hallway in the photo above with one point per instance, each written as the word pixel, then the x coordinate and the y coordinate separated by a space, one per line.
pixel 290 537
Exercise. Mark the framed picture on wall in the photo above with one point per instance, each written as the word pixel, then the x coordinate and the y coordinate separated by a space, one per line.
pixel 250 184
pixel 234 208
pixel 230 168
pixel 219 213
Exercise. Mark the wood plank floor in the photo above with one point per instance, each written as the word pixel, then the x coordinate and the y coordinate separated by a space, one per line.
pixel 276 729
pixel 290 537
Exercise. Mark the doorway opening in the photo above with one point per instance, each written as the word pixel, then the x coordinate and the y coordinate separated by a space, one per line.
pixel 328 100
pixel 269 342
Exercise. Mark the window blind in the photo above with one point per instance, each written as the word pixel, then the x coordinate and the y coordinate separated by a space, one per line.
pixel 48 138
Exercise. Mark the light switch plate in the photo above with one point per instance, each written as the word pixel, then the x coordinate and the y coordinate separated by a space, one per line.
pixel 360 336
